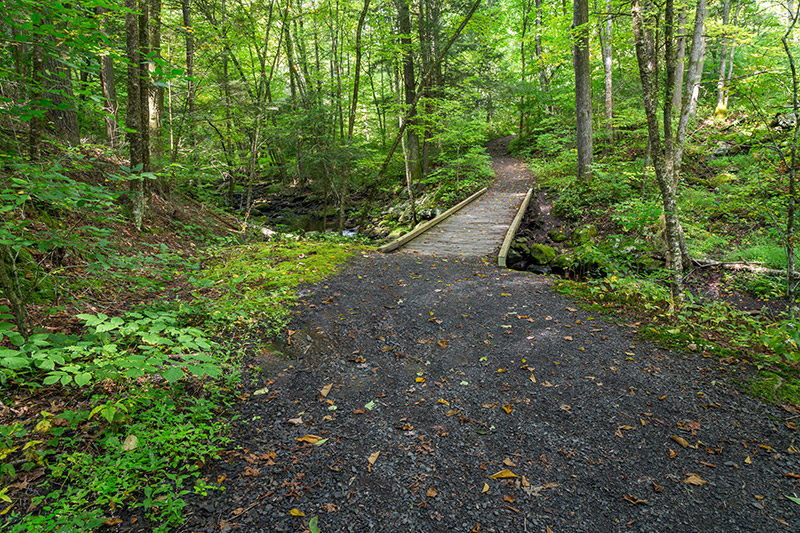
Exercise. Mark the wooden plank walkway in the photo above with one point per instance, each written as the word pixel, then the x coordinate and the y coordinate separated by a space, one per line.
pixel 478 229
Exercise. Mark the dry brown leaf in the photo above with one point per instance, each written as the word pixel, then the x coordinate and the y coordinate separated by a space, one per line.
pixel 487 405
pixel 620 429
pixel 251 472
pixel 680 440
pixel 571 309
pixel 296 421
pixel 547 384
pixel 431 492
pixel 694 479
pixel 792 475
pixel 111 522
pixel 443 343
pixel 567 338
pixel 747 460
pixel 508 462
pixel 658 488
pixel 503 474
pixel 525 482
pixel 532 378
pixel 326 390
pixel 633 499
pixel 485 488
pixel 374 457
pixel 548 530
pixel 564 407
pixel 508 408
pixel 672 454
pixel 311 439
pixel 509 498
pixel 330 507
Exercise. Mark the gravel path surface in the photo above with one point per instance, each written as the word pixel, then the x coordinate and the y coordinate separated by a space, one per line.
pixel 455 371
pixel 432 381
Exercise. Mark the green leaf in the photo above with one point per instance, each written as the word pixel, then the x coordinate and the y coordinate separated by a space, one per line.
pixel 83 378
pixel 51 379
pixel 793 499
pixel 172 374
pixel 313 524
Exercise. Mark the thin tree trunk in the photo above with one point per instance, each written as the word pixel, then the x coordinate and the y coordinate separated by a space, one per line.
pixel 37 82
pixel 356 73
pixel 606 32
pixel 791 280
pixel 721 110
pixel 186 8
pixel 108 87
pixel 133 119
pixel 156 92
pixel 583 88
pixel 680 59
pixel 410 88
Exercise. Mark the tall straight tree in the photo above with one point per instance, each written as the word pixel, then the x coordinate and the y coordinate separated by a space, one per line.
pixel 606 30
pixel 667 153
pixel 583 87
pixel 133 119
pixel 410 89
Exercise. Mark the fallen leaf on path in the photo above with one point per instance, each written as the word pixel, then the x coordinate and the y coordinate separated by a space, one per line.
pixel 672 454
pixel 330 507
pixel 420 380
pixel 297 512
pixel 487 405
pixel 508 462
pixel 620 429
pixel 374 457
pixel 532 378
pixel 747 460
pixel 251 472
pixel 443 343
pixel 658 488
pixel 694 479
pixel 572 309
pixel 633 499
pixel 680 440
pixel 311 439
pixel 111 522
pixel 503 474
pixel 370 405
pixel 508 408
pixel 431 492
pixel 534 491
pixel 260 392
pixel 296 421
pixel 359 411
pixel 509 498
pixel 792 475
pixel 565 407
pixel 547 384
pixel 326 390
pixel 444 402
pixel 485 488
pixel 568 338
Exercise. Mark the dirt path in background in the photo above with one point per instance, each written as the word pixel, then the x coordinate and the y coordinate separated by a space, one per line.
pixel 453 396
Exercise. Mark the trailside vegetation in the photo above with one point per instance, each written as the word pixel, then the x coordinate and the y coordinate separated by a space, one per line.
pixel 171 173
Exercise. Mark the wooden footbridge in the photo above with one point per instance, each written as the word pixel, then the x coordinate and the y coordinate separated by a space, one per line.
pixel 482 225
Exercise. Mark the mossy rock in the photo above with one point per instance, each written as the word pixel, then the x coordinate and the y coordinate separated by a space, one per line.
pixel 557 235
pixel 562 261
pixel 723 178
pixel 584 234
pixel 541 254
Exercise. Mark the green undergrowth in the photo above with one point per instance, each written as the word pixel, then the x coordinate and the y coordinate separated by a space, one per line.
pixel 116 417
pixel 256 283
pixel 711 328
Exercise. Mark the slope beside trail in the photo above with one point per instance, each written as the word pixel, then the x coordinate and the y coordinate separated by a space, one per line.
pixel 478 229
pixel 453 396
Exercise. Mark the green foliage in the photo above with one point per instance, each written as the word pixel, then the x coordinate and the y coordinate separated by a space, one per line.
pixel 136 345
pixel 256 282
pixel 144 459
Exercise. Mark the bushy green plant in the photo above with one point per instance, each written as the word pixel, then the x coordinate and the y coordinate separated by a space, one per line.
pixel 133 346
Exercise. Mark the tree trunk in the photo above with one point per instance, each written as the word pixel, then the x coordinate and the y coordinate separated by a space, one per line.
pixel 583 88
pixel 108 87
pixel 63 114
pixel 356 73
pixel 667 156
pixel 144 93
pixel 606 51
pixel 791 280
pixel 409 84
pixel 721 110
pixel 680 59
pixel 37 83
pixel 134 115
pixel 12 292
pixel 186 8
pixel 155 92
